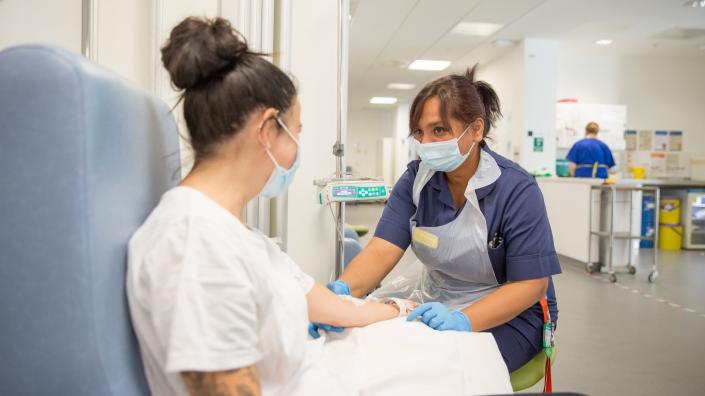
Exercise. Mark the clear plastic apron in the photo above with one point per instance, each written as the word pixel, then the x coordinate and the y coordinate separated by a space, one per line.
pixel 456 268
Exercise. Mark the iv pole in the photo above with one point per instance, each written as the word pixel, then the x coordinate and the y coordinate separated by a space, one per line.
pixel 339 146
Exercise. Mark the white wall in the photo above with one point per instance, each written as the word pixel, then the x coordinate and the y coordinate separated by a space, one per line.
pixel 123 34
pixel 55 22
pixel 659 92
pixel 506 76
pixel 311 229
pixel 664 93
pixel 366 129
pixel 589 79
pixel 403 152
pixel 125 40
pixel 540 80
pixel 525 81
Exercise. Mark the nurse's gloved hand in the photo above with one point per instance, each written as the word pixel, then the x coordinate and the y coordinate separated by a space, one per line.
pixel 339 287
pixel 438 317
pixel 314 327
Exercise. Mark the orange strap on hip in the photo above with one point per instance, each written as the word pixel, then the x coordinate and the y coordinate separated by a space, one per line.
pixel 548 344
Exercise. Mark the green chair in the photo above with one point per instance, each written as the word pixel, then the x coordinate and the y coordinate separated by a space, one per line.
pixel 361 230
pixel 529 374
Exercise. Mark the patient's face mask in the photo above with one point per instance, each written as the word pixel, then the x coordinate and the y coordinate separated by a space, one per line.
pixel 443 156
pixel 281 178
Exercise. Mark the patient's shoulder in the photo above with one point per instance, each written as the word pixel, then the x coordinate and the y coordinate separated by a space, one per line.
pixel 186 229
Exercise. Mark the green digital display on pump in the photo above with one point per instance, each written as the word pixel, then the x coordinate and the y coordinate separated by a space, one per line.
pixel 360 192
pixel 365 190
pixel 344 192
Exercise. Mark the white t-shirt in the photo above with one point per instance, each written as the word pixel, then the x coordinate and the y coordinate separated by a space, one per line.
pixel 208 294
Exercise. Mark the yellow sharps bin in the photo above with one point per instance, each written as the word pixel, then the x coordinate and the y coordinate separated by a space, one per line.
pixel 670 229
pixel 670 237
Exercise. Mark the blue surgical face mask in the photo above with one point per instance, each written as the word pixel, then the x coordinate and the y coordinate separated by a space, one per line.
pixel 281 178
pixel 442 156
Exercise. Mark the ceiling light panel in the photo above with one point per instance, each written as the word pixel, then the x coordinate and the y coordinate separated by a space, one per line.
pixel 476 28
pixel 383 100
pixel 503 43
pixel 401 86
pixel 425 64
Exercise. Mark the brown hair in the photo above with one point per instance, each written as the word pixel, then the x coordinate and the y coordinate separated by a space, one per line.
pixel 462 98
pixel 223 81
pixel 592 127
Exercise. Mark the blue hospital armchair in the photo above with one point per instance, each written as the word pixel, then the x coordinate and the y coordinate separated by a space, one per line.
pixel 84 157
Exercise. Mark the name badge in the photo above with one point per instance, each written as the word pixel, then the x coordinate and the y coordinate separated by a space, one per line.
pixel 425 238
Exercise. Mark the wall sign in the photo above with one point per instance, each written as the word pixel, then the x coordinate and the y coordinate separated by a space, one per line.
pixel 538 144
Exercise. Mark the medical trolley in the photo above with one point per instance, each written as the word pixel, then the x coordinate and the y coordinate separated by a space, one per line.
pixel 610 235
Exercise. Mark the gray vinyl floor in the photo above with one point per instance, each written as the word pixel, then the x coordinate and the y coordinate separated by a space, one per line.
pixel 627 338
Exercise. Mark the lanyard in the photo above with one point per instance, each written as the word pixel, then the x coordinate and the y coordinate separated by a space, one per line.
pixel 548 344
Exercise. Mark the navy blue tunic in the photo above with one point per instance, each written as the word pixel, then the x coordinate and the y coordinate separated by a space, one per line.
pixel 514 209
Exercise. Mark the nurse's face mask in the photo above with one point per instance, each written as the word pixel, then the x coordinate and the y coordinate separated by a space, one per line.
pixel 443 156
pixel 281 178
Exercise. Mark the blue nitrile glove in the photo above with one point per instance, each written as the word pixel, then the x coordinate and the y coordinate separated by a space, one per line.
pixel 314 327
pixel 438 317
pixel 337 287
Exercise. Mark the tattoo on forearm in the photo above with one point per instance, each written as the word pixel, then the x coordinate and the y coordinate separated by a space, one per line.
pixel 241 382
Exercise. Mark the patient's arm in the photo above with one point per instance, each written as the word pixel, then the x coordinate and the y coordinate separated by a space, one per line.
pixel 326 307
pixel 238 382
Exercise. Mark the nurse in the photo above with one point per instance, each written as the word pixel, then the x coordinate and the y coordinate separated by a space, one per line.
pixel 476 221
pixel 590 157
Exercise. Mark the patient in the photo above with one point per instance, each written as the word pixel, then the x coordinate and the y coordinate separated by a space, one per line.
pixel 217 307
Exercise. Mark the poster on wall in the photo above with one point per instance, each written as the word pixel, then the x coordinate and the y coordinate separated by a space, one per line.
pixel 677 165
pixel 675 140
pixel 660 140
pixel 646 140
pixel 630 140
pixel 657 164
pixel 571 119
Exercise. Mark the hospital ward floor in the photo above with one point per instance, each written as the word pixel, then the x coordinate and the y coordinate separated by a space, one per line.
pixel 627 338
pixel 632 337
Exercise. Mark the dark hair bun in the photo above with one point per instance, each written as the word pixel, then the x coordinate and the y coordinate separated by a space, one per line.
pixel 200 49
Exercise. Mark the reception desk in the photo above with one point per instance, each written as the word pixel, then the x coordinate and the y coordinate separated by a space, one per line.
pixel 568 205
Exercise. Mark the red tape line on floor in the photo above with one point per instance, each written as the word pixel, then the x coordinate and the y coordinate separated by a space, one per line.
pixel 648 296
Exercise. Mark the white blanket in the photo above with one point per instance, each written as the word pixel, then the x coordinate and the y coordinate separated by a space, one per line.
pixel 402 358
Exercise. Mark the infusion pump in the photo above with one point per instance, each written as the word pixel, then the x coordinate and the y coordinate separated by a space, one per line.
pixel 352 190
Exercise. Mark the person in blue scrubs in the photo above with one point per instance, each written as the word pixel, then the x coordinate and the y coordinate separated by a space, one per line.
pixel 476 221
pixel 590 157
